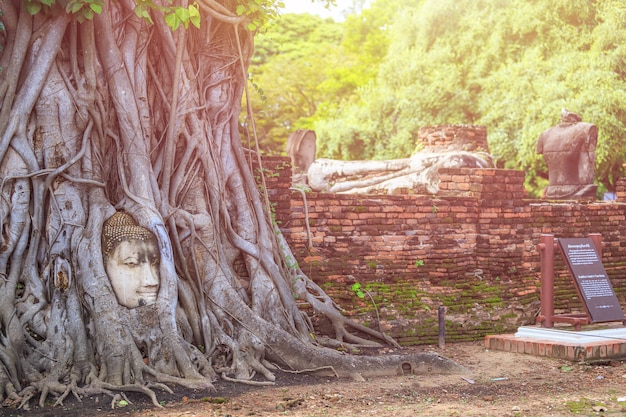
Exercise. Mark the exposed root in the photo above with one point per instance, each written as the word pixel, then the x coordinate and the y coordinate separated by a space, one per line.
pixel 312 370
pixel 246 381
pixel 12 399
pixel 201 384
pixel 26 394
pixel 342 346
pixel 134 388
pixel 119 397
pixel 73 388
pixel 310 292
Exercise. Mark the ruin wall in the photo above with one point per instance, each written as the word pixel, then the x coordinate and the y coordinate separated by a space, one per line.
pixel 472 249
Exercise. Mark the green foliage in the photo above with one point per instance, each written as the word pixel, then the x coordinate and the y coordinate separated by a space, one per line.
pixel 289 76
pixel 361 292
pixel 84 9
pixel 580 406
pixel 142 9
pixel 356 288
pixel 81 9
pixel 35 6
pixel 510 65
pixel 183 16
pixel 258 12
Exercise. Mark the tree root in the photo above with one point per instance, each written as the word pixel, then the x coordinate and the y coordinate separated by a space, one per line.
pixel 246 381
pixel 73 388
pixel 312 370
pixel 12 398
pixel 134 388
pixel 201 384
pixel 119 397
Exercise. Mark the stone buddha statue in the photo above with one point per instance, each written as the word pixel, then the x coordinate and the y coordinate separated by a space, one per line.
pixel 131 260
pixel 569 150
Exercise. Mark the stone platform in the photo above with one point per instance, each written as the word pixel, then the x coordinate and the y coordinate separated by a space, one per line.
pixel 592 343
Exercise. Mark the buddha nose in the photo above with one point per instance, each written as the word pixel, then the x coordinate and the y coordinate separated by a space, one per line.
pixel 150 275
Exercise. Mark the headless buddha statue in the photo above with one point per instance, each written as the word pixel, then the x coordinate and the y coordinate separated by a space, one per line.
pixel 569 150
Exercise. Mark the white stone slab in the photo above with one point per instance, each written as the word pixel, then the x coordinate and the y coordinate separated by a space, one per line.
pixel 617 334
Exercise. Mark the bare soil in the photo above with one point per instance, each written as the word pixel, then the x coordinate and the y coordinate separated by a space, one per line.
pixel 497 384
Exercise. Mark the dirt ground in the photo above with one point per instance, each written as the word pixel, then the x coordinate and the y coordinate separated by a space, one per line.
pixel 497 384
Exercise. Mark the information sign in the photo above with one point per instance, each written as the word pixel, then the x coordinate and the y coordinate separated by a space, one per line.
pixel 591 280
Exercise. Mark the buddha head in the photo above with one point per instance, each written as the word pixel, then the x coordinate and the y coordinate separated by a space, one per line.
pixel 131 260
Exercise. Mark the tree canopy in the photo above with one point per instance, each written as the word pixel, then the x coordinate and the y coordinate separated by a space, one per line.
pixel 510 65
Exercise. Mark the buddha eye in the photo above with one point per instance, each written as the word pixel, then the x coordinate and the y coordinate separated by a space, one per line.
pixel 131 262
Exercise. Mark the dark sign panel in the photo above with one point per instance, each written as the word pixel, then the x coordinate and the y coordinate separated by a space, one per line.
pixel 592 282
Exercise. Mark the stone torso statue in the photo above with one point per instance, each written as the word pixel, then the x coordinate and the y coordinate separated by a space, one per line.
pixel 131 259
pixel 569 152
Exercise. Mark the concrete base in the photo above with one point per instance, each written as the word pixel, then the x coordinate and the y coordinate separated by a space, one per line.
pixel 590 344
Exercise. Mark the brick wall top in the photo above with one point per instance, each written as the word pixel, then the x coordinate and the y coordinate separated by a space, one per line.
pixel 485 184
pixel 460 137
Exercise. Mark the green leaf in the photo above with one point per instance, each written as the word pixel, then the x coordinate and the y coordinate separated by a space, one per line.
pixel 76 6
pixel 176 17
pixel 32 7
pixel 356 286
pixel 182 14
pixel 172 21
pixel 194 15
pixel 241 9
pixel 195 20
pixel 142 11
pixel 97 8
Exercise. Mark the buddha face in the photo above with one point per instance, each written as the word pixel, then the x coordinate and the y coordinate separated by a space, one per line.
pixel 133 269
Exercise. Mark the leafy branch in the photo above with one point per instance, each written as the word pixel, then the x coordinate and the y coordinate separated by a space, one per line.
pixel 360 292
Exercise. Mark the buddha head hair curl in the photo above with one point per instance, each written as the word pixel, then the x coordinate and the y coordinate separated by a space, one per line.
pixel 120 227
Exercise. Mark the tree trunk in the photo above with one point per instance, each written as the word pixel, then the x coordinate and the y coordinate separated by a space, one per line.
pixel 118 114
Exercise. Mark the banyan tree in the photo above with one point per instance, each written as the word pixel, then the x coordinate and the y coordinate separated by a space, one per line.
pixel 121 159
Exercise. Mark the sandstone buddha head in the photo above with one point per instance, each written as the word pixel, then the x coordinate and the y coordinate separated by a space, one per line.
pixel 131 260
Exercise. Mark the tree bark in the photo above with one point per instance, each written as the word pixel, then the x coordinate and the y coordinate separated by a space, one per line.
pixel 116 114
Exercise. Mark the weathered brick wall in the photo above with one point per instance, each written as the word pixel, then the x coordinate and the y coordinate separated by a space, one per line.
pixel 462 137
pixel 620 189
pixel 472 249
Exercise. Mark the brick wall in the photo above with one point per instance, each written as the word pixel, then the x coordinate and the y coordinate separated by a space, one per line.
pixel 472 249
pixel 468 138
